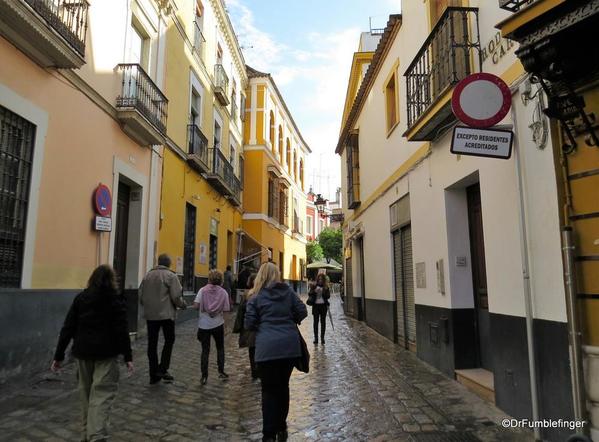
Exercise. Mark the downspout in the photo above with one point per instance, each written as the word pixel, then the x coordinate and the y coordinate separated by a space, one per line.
pixel 528 306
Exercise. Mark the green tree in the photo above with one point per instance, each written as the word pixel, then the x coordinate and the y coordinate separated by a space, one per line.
pixel 331 241
pixel 314 252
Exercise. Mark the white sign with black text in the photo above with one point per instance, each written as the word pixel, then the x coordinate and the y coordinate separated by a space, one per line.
pixel 103 224
pixel 492 143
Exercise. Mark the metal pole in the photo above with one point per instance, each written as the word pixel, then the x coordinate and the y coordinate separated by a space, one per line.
pixel 573 327
pixel 534 395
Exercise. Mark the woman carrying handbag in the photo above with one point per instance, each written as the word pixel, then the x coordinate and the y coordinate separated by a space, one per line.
pixel 274 313
pixel 318 298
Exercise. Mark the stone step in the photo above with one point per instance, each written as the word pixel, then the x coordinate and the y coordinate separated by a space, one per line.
pixel 479 381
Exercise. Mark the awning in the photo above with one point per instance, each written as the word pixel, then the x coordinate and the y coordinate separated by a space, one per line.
pixel 249 250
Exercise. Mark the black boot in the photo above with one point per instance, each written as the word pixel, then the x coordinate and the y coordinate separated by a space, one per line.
pixel 282 436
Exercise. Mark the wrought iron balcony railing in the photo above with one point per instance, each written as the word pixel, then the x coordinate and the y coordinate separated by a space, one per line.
pixel 198 39
pixel 221 84
pixel 223 173
pixel 514 5
pixel 67 17
pixel 138 91
pixel 446 57
pixel 198 147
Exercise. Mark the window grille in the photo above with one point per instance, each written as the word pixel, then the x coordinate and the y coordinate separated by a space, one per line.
pixel 17 137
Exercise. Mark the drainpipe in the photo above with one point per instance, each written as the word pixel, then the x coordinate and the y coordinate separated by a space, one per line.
pixel 534 395
pixel 573 326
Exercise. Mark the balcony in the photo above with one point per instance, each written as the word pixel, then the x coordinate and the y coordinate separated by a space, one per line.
pixel 221 85
pixel 514 5
pixel 222 176
pixel 51 32
pixel 141 106
pixel 197 156
pixel 448 55
pixel 198 40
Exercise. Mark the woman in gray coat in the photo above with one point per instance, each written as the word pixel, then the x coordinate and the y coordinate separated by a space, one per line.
pixel 274 312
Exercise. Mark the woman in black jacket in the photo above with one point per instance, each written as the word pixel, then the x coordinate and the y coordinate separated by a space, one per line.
pixel 318 298
pixel 97 324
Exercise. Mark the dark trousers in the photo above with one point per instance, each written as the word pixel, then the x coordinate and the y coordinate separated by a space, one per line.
pixel 274 376
pixel 168 331
pixel 219 338
pixel 319 311
pixel 252 355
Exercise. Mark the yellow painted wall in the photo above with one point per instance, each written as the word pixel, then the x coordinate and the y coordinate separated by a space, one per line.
pixel 254 182
pixel 181 186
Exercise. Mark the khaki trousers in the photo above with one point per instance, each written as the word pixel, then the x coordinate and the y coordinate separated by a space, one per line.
pixel 98 384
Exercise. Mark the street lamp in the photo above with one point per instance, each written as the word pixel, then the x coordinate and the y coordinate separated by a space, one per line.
pixel 320 204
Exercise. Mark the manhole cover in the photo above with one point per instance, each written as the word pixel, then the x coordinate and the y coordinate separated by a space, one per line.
pixel 439 436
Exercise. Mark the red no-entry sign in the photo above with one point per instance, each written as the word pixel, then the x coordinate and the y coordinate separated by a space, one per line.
pixel 481 100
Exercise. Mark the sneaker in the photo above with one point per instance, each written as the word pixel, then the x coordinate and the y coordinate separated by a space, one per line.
pixel 167 377
pixel 223 375
pixel 204 380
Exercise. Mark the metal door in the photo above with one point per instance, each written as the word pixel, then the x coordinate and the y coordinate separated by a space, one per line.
pixel 189 247
pixel 479 277
pixel 349 296
pixel 404 287
pixel 119 261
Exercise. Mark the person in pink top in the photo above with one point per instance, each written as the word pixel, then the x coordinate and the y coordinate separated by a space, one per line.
pixel 212 300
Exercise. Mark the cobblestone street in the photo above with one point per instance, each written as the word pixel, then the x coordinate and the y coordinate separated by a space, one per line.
pixel 360 387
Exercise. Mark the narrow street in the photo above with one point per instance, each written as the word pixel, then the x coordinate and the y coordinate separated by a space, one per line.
pixel 361 387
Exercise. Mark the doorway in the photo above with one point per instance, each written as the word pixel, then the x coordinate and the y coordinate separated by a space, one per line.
pixel 348 290
pixel 479 278
pixel 119 262
pixel 213 261
pixel 404 288
pixel 362 304
pixel 189 248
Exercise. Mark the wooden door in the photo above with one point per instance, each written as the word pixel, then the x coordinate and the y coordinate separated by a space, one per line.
pixel 121 234
pixel 189 240
pixel 479 276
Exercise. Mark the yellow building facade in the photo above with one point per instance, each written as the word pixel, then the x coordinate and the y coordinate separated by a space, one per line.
pixel 200 207
pixel 274 198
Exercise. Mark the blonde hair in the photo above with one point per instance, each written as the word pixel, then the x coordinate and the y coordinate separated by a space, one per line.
pixel 267 275
pixel 215 277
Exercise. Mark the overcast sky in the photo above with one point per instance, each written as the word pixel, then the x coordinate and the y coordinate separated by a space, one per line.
pixel 308 46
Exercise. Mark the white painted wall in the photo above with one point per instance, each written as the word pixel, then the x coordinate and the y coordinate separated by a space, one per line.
pixel 438 199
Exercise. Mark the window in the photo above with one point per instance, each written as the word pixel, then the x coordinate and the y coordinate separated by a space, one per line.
pixel 309 224
pixel 301 173
pixel 217 135
pixel 242 107
pixel 352 159
pixel 271 197
pixel 280 143
pixel 219 54
pixel 232 157
pixel 240 172
pixel 391 102
pixel 288 157
pixel 234 103
pixel 320 225
pixel 198 28
pixel 17 137
pixel 272 132
pixel 295 165
pixel 283 206
pixel 138 45
pixel 195 108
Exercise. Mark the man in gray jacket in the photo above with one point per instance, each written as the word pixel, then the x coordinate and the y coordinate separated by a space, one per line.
pixel 160 294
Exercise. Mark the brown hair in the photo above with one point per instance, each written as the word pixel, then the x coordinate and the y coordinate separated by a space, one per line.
pixel 325 282
pixel 215 277
pixel 103 278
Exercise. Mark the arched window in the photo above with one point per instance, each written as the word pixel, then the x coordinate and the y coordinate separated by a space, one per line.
pixel 272 132
pixel 301 173
pixel 280 143
pixel 295 165
pixel 288 156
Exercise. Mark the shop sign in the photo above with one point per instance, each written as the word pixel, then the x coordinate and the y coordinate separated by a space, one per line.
pixel 481 100
pixel 496 48
pixel 202 253
pixel 214 226
pixel 103 224
pixel 565 107
pixel 491 143
pixel 103 200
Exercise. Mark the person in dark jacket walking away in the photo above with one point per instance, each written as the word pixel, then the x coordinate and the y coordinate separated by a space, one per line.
pixel 274 313
pixel 228 284
pixel 161 294
pixel 97 324
pixel 318 298
pixel 212 300
pixel 247 338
